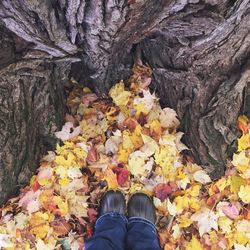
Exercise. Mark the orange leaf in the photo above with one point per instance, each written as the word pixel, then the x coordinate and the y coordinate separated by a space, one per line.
pixel 110 177
pixel 130 123
pixel 243 123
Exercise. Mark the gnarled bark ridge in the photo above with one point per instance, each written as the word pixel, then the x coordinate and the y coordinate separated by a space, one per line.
pixel 198 49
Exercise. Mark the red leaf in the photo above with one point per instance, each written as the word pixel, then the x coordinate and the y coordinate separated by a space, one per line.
pixel 122 175
pixel 162 191
pixel 89 231
pixel 92 214
pixel 35 185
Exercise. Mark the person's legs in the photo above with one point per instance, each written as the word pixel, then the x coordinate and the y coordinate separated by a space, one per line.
pixel 111 226
pixel 142 233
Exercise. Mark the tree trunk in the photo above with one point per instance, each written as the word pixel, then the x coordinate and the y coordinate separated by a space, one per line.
pixel 198 50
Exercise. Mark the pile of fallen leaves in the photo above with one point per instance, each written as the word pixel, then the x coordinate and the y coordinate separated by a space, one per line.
pixel 128 142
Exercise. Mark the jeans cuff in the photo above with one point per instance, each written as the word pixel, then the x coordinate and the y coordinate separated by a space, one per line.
pixel 142 220
pixel 111 215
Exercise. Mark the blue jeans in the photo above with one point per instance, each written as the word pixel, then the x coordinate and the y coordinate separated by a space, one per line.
pixel 114 231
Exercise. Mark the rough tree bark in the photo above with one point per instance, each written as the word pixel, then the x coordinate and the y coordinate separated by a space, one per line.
pixel 199 51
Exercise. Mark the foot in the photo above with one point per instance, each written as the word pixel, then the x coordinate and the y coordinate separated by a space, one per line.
pixel 140 205
pixel 112 201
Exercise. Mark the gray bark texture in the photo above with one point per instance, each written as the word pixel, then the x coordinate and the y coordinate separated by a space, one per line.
pixel 199 51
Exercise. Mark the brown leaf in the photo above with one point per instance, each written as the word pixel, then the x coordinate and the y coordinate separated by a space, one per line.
pixel 61 227
pixel 130 123
pixel 92 156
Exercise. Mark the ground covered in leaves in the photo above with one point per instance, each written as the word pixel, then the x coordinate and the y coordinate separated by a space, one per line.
pixel 128 142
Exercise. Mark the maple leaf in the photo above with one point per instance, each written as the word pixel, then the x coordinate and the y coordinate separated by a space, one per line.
pixel 41 245
pixel 244 193
pixel 122 175
pixel 225 224
pixel 230 210
pixel 206 220
pixel 243 123
pixel 168 119
pixel 60 227
pixel 44 176
pixel 184 221
pixel 5 241
pixel 39 223
pixel 241 247
pixel 92 214
pixel 236 183
pixel 150 145
pixel 162 191
pixel 111 179
pixel 155 129
pixel 144 104
pixel 136 163
pixel 68 131
pixel 89 98
pixel 202 177
pixel 30 201
pixel 171 208
pixel 92 156
pixel 244 142
pixel 119 95
pixel 130 124
pixel 112 144
pixel 194 244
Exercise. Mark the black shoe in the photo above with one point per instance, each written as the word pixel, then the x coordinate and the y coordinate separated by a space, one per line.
pixel 112 201
pixel 140 205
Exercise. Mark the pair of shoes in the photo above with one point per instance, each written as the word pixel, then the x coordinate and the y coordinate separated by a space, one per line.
pixel 139 205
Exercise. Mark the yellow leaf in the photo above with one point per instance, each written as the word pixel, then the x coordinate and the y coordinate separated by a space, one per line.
pixel 194 204
pixel 194 244
pixel 244 193
pixel 222 183
pixel 69 161
pixel 136 163
pixel 123 154
pixel 184 221
pixel 182 202
pixel 165 158
pixel 225 224
pixel 241 238
pixel 64 181
pixel 136 137
pixel 236 183
pixel 194 190
pixel 140 108
pixel 119 95
pixel 213 236
pixel 155 129
pixel 127 142
pixel 135 187
pixel 241 159
pixel 39 223
pixel 244 142
pixel 62 205
pixel 27 246
pixel 111 179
